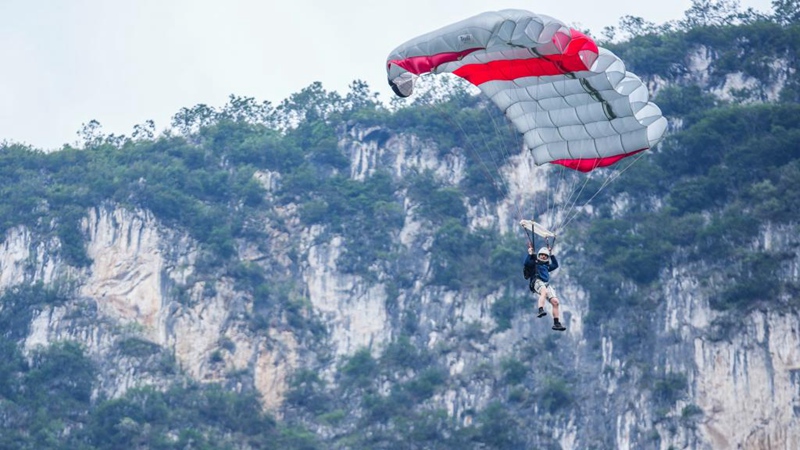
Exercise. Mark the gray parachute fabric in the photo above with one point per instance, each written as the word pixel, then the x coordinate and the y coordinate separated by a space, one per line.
pixel 573 102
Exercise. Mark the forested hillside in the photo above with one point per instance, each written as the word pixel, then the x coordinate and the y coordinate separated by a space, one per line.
pixel 263 191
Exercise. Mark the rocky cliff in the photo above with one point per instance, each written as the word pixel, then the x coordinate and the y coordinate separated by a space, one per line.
pixel 141 287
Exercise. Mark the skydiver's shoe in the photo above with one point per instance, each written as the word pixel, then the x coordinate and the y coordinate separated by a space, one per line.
pixel 542 313
pixel 558 327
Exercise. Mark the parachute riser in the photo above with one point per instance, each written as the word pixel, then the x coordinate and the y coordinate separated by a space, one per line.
pixel 550 245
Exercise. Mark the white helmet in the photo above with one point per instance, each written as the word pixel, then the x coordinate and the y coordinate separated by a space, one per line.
pixel 544 251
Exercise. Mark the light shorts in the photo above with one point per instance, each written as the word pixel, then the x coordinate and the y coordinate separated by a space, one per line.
pixel 539 284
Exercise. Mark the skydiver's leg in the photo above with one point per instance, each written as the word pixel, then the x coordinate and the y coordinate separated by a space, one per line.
pixel 556 311
pixel 541 289
pixel 554 302
pixel 542 295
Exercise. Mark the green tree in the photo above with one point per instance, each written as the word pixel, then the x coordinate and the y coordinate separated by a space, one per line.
pixel 786 12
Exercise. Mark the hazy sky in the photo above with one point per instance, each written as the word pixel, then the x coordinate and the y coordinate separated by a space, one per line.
pixel 122 62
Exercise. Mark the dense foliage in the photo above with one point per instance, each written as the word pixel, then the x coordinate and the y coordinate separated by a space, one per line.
pixel 722 178
pixel 46 404
pixel 765 50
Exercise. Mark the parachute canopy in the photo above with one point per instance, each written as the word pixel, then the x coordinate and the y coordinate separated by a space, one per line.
pixel 574 103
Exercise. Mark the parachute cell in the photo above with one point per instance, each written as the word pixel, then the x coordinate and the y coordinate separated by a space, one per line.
pixel 574 102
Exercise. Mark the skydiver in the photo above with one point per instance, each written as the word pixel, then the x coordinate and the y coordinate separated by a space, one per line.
pixel 537 269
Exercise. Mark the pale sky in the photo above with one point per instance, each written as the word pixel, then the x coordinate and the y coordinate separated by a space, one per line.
pixel 122 62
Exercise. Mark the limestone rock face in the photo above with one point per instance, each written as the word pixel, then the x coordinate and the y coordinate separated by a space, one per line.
pixel 129 294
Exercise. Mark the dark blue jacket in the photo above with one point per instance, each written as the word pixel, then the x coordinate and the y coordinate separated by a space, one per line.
pixel 540 269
